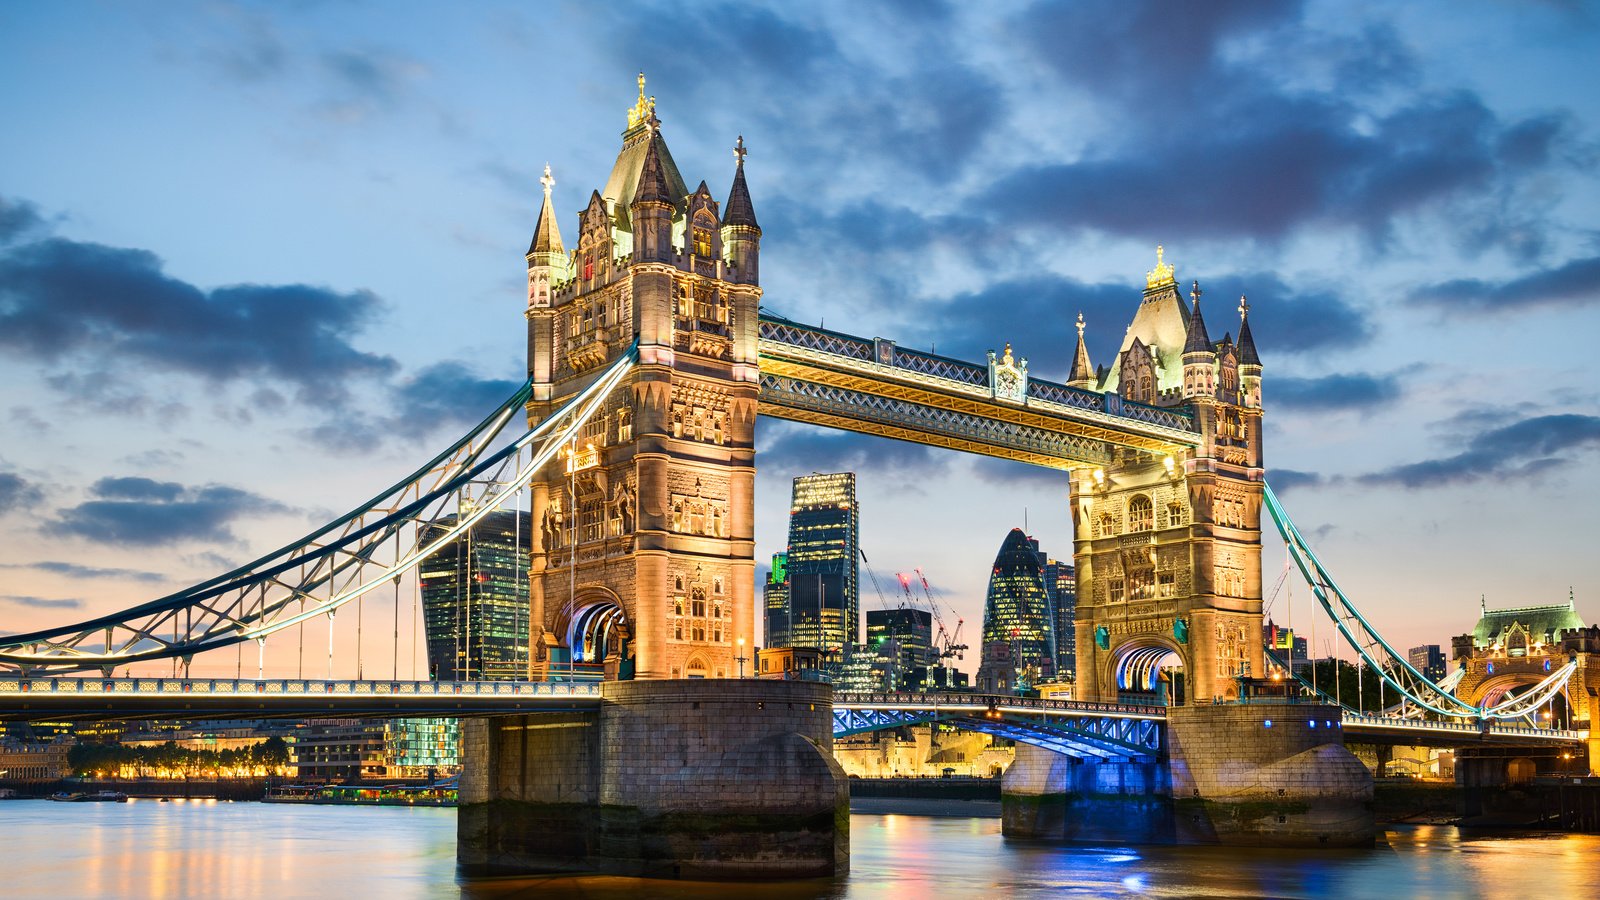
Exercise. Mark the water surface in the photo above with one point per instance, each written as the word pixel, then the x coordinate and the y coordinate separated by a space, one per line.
pixel 146 848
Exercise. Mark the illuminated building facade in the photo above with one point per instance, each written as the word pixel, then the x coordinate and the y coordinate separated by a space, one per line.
pixel 1061 583
pixel 824 524
pixel 644 541
pixel 475 599
pixel 1427 659
pixel 775 602
pixel 1016 618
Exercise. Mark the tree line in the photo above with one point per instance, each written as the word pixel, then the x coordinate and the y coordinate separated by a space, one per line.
pixel 113 759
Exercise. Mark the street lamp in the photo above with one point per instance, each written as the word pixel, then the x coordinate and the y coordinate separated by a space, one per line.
pixel 741 657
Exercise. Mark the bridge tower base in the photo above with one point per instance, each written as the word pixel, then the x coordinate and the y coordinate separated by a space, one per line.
pixel 1253 774
pixel 702 779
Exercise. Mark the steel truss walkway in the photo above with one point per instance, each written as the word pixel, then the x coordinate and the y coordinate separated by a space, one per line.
pixel 872 386
pixel 1085 730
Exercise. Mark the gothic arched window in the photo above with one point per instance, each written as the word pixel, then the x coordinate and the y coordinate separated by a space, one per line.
pixel 1141 514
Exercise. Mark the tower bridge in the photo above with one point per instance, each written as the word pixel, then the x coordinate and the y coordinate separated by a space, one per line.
pixel 649 359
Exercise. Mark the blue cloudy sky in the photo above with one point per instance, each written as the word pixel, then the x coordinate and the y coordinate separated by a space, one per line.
pixel 257 260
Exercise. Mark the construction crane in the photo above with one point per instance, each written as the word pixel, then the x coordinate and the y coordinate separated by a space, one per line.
pixel 882 600
pixel 948 642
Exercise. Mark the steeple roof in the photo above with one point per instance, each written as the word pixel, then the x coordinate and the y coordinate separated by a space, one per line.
pixel 623 182
pixel 739 210
pixel 1082 370
pixel 652 180
pixel 547 234
pixel 1247 342
pixel 1197 341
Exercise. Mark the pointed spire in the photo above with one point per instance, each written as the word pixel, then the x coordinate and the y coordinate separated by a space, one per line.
pixel 546 235
pixel 739 210
pixel 1082 371
pixel 652 175
pixel 1197 341
pixel 1247 342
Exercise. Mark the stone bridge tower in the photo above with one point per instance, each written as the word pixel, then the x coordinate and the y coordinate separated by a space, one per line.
pixel 1168 548
pixel 643 543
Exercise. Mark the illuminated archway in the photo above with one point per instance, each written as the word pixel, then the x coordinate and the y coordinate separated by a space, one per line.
pixel 1149 670
pixel 598 635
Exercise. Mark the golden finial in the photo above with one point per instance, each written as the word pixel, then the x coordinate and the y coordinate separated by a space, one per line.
pixel 644 108
pixel 547 180
pixel 739 152
pixel 1244 307
pixel 1080 325
pixel 1007 358
pixel 1161 275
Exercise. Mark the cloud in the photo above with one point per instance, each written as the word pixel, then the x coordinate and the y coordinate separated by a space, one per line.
pixel 1575 283
pixel 18 493
pixel 366 82
pixel 63 299
pixel 1321 128
pixel 1526 449
pixel 1285 480
pixel 41 602
pixel 445 395
pixel 18 218
pixel 74 570
pixel 1333 393
pixel 139 512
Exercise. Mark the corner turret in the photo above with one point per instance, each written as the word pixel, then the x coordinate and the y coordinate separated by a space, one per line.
pixel 1199 357
pixel 547 258
pixel 741 236
pixel 1249 362
pixel 652 207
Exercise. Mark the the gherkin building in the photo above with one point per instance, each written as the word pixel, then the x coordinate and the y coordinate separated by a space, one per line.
pixel 1016 618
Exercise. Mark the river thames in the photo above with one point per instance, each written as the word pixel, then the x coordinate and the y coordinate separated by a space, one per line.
pixel 147 848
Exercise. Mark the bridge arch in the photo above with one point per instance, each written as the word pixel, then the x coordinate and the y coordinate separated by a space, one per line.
pixel 1148 667
pixel 598 633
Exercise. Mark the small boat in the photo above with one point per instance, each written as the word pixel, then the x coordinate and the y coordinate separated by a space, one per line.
pixel 96 797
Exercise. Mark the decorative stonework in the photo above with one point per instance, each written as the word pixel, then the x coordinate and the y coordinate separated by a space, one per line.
pixel 1008 380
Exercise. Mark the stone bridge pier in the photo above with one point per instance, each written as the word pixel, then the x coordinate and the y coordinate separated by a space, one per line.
pixel 1253 774
pixel 700 779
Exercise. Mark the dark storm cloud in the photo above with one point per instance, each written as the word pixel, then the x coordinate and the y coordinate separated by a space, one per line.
pixel 928 104
pixel 1209 140
pixel 788 450
pixel 62 298
pixel 74 570
pixel 17 493
pixel 1522 449
pixel 1333 393
pixel 41 602
pixel 1575 283
pixel 138 512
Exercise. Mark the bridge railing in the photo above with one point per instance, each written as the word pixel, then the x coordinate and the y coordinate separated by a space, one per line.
pixel 997 701
pixel 88 686
pixel 1507 729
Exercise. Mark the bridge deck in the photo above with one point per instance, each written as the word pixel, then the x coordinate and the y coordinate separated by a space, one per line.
pixel 83 698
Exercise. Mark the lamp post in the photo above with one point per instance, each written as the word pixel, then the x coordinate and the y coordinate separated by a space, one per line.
pixel 741 657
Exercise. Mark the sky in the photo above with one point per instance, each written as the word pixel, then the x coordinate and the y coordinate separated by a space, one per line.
pixel 259 260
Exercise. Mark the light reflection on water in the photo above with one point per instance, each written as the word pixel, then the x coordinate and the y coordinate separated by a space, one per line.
pixel 208 849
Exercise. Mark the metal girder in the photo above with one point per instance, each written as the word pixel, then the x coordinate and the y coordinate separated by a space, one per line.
pixel 799 400
pixel 889 391
pixel 1055 726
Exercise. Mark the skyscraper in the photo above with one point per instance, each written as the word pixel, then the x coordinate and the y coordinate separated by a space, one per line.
pixel 1061 583
pixel 1016 618
pixel 775 600
pixel 475 599
pixel 824 603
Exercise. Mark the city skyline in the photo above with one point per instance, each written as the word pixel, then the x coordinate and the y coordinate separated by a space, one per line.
pixel 1413 224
